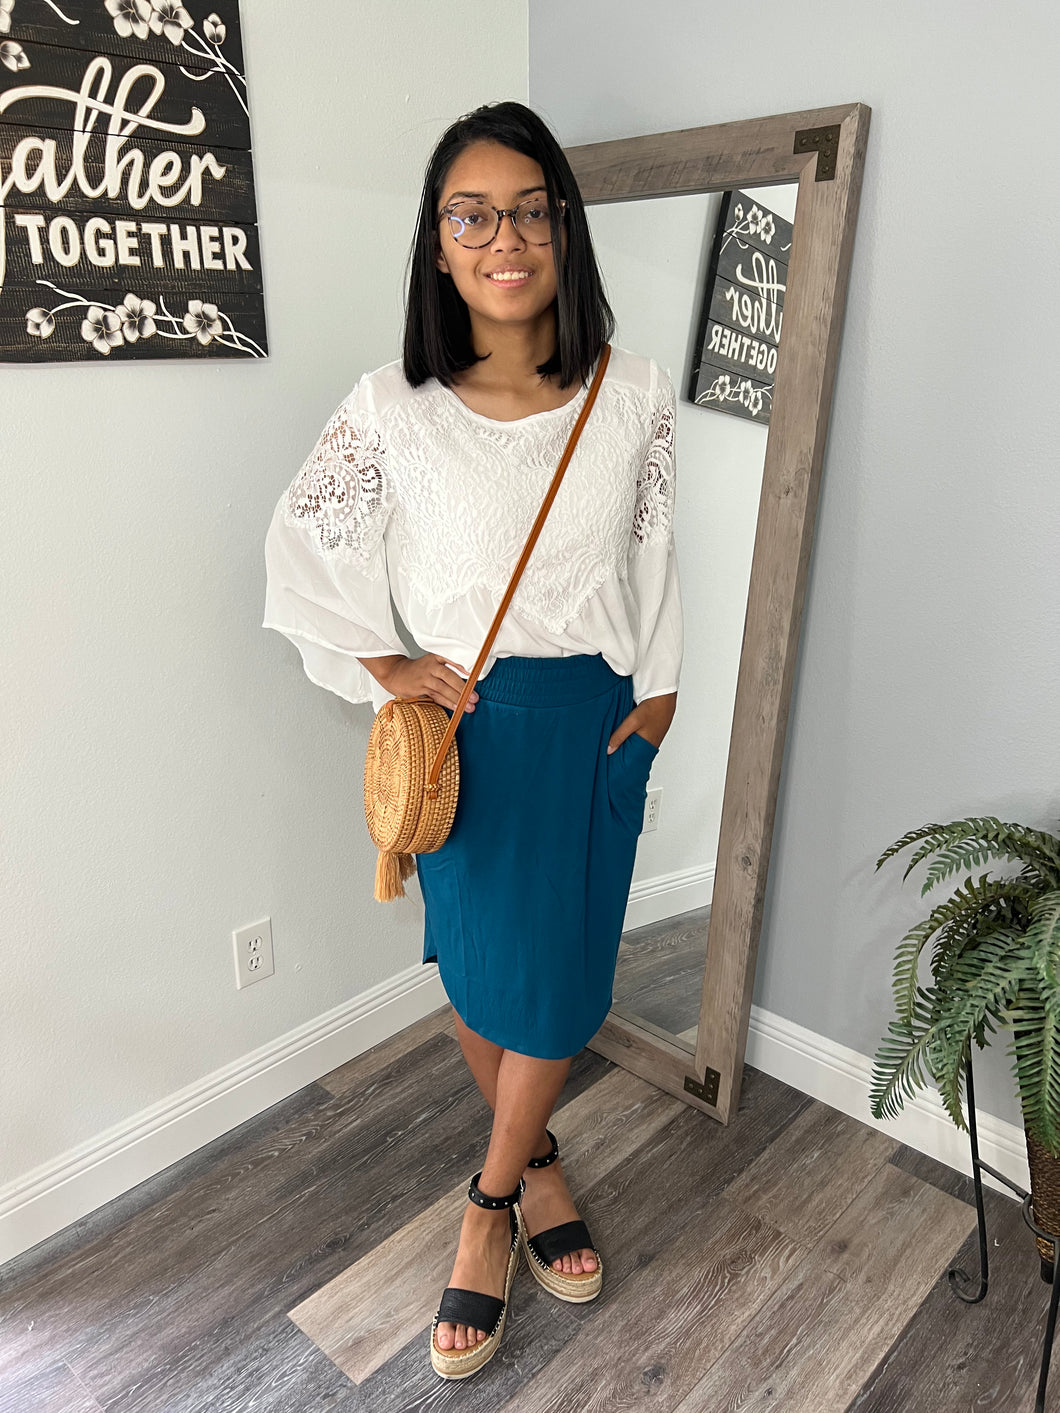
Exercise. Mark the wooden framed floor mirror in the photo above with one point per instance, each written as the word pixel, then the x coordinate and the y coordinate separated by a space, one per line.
pixel 725 252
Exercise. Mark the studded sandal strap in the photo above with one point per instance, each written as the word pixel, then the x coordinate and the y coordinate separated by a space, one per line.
pixel 494 1204
pixel 550 1245
pixel 549 1158
pixel 469 1307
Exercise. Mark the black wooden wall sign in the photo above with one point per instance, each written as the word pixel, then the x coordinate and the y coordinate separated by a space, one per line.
pixel 127 217
pixel 743 309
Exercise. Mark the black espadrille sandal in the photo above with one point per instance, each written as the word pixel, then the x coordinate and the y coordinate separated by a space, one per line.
pixel 472 1307
pixel 551 1245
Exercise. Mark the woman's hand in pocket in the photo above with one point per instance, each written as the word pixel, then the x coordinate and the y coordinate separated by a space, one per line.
pixel 651 718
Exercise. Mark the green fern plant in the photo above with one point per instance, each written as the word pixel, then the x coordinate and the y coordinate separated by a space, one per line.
pixel 995 959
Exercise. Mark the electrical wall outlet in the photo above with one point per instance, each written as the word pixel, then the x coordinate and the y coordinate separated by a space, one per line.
pixel 652 806
pixel 253 949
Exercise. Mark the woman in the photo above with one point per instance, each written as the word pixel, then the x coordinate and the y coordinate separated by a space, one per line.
pixel 423 487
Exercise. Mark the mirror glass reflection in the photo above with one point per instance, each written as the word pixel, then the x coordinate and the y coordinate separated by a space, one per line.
pixel 655 257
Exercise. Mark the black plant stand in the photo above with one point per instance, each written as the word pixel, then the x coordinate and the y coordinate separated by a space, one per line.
pixel 961 1284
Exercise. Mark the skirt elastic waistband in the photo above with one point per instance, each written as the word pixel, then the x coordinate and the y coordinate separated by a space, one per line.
pixel 547 681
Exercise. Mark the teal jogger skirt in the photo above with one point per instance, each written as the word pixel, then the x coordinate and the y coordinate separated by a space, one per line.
pixel 524 902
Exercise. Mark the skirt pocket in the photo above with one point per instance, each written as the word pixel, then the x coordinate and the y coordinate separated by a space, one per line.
pixel 628 771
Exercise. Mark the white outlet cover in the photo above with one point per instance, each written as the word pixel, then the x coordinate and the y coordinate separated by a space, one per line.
pixel 253 952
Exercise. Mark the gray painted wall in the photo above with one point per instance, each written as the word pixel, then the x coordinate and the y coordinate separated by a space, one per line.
pixel 929 676
pixel 168 772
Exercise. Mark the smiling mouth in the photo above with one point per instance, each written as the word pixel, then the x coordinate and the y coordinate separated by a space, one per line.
pixel 510 277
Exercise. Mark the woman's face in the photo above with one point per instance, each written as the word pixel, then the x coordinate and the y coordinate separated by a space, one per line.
pixel 499 177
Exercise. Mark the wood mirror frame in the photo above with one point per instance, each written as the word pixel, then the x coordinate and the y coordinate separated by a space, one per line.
pixel 823 149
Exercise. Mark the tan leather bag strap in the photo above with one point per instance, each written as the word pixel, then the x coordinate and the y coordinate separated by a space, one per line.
pixel 546 506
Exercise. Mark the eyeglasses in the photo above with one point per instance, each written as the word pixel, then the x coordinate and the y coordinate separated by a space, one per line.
pixel 473 224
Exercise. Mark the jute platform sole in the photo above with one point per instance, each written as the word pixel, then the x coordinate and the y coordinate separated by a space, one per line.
pixel 551 1245
pixel 471 1307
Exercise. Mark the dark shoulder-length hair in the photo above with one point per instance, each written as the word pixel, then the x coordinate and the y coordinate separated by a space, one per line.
pixel 437 340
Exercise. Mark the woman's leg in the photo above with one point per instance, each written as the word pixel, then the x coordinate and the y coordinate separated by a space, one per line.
pixel 483 1060
pixel 547 1201
pixel 526 1091
pixel 522 1091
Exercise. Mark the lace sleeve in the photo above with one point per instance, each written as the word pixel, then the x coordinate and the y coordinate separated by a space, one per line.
pixel 342 494
pixel 653 572
pixel 326 582
pixel 654 512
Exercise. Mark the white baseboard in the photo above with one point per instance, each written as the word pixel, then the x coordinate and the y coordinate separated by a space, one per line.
pixel 44 1201
pixel 829 1071
pixel 667 894
pixel 841 1078
pixel 47 1199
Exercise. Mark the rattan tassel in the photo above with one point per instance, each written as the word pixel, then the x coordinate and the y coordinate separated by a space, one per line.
pixel 390 872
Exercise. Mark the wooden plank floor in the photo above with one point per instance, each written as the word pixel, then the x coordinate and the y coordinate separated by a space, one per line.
pixel 793 1259
pixel 659 975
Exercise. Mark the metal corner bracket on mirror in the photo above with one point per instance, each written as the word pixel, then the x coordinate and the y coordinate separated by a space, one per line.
pixel 823 141
pixel 707 1090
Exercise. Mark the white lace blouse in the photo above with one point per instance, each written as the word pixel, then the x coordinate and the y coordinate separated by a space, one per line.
pixel 412 500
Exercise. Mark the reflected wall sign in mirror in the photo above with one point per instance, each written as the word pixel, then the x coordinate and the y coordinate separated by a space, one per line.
pixel 745 511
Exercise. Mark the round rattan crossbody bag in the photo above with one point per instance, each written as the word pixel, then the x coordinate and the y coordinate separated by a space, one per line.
pixel 412 771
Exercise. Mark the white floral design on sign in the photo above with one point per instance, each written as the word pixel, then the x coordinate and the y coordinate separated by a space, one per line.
pixel 756 223
pixel 13 56
pixel 130 17
pixel 170 18
pixel 725 388
pixel 202 321
pixel 136 317
pixel 40 322
pixel 107 326
pixel 141 18
pixel 101 328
